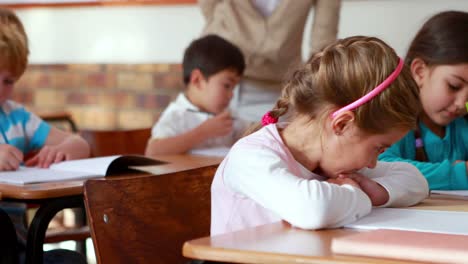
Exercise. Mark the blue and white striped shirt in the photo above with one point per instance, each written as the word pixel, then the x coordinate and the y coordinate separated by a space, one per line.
pixel 21 128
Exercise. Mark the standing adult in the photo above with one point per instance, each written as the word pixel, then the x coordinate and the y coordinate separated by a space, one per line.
pixel 270 34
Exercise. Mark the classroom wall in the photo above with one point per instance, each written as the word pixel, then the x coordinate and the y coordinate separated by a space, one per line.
pixel 101 96
pixel 118 67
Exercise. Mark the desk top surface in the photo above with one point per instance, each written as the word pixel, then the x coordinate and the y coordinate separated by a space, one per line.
pixel 75 187
pixel 274 243
pixel 282 243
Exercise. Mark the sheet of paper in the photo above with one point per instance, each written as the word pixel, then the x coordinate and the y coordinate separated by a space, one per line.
pixel 62 171
pixel 26 175
pixel 95 166
pixel 445 222
pixel 212 152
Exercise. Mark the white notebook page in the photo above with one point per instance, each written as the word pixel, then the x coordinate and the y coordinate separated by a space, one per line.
pixel 447 222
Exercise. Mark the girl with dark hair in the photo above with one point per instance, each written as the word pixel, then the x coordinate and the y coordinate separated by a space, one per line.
pixel 438 59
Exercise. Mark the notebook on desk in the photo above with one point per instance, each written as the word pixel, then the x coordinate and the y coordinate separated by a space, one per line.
pixel 405 245
pixel 435 221
pixel 77 169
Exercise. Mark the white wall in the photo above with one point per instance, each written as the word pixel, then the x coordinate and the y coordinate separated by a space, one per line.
pixel 159 34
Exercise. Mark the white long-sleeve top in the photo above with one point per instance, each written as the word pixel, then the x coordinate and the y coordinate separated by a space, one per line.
pixel 260 182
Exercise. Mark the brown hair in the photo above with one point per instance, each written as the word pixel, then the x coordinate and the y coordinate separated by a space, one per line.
pixel 13 43
pixel 344 72
pixel 443 39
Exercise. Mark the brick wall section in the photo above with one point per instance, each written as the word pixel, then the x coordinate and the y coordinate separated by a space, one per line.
pixel 101 96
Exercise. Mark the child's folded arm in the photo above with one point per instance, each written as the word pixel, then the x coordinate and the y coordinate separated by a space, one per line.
pixel 183 142
pixel 73 145
pixel 59 146
pixel 444 175
pixel 305 203
pixel 404 182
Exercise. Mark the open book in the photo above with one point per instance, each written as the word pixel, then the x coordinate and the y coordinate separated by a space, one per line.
pixel 77 169
pixel 404 245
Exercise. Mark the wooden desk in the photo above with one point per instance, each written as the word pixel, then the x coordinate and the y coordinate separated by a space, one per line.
pixel 281 243
pixel 273 243
pixel 56 196
pixel 68 188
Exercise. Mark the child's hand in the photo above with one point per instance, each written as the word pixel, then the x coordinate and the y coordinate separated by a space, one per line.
pixel 46 156
pixel 341 181
pixel 375 191
pixel 10 157
pixel 219 125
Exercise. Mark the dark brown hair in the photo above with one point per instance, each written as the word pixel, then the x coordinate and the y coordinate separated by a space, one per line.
pixel 211 54
pixel 443 39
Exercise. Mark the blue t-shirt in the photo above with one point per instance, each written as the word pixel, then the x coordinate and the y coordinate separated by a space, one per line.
pixel 439 170
pixel 21 128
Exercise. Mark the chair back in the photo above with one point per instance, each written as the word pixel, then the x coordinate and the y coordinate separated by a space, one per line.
pixel 146 219
pixel 116 142
pixel 62 120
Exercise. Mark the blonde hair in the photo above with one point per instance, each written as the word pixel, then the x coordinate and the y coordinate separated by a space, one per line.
pixel 13 43
pixel 344 72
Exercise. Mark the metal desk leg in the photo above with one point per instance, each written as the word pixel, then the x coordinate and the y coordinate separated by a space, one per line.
pixel 80 220
pixel 8 249
pixel 41 220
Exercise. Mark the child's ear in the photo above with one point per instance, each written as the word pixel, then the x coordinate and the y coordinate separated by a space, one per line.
pixel 196 78
pixel 419 70
pixel 342 122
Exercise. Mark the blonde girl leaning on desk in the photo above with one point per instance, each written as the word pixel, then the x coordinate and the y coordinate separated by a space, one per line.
pixel 319 169
pixel 438 147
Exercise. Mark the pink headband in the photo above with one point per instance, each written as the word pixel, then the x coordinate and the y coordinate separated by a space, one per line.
pixel 366 98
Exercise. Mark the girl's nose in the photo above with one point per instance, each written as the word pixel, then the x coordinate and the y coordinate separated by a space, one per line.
pixel 372 164
pixel 461 101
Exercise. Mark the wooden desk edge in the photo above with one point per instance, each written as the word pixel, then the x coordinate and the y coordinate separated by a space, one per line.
pixel 207 249
pixel 38 191
pixel 193 251
pixel 30 193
